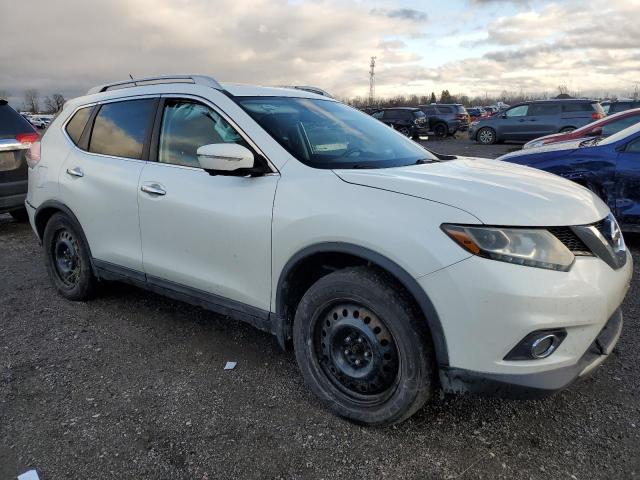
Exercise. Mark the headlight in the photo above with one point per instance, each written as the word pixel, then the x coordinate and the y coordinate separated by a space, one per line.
pixel 532 247
pixel 535 144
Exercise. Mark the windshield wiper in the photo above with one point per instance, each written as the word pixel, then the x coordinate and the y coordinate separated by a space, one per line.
pixel 423 161
pixel 590 142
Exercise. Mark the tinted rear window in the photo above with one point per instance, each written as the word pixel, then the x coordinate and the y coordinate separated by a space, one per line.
pixel 77 123
pixel 582 107
pixel 460 109
pixel 12 123
pixel 543 109
pixel 120 128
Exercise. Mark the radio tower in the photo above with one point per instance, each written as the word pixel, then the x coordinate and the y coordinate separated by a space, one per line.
pixel 372 80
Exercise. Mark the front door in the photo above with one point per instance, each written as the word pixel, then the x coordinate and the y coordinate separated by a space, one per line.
pixel 627 186
pixel 513 124
pixel 209 233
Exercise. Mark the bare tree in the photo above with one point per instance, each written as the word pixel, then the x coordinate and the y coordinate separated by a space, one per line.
pixel 4 95
pixel 54 103
pixel 32 100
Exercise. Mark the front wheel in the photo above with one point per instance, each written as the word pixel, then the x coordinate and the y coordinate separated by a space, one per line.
pixel 363 349
pixel 486 136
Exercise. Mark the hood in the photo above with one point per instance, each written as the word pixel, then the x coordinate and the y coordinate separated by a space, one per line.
pixel 564 147
pixel 495 192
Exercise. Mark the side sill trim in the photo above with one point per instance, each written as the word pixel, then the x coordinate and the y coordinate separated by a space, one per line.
pixel 261 319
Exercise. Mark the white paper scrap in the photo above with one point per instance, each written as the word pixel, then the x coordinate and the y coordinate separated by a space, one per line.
pixel 230 365
pixel 30 475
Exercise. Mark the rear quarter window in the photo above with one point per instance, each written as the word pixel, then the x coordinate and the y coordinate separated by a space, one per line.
pixel 569 107
pixel 76 125
pixel 12 123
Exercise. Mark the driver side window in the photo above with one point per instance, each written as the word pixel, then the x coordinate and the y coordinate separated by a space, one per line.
pixel 520 111
pixel 188 125
pixel 633 147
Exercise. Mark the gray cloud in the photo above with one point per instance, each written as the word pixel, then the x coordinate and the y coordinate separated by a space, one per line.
pixel 402 13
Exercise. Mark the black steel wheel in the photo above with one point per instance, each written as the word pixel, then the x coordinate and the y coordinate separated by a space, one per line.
pixel 406 131
pixel 68 258
pixel 363 348
pixel 356 350
pixel 440 130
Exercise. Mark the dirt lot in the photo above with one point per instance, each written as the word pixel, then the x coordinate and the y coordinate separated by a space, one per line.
pixel 131 385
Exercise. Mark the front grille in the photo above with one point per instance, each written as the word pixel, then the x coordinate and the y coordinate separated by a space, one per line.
pixel 570 240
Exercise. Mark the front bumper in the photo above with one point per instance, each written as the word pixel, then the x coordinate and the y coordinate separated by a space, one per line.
pixel 487 307
pixel 537 385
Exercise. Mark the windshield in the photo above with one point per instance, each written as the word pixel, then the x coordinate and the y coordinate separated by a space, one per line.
pixel 328 134
pixel 622 134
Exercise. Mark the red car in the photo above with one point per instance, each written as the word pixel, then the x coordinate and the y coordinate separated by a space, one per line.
pixel 601 128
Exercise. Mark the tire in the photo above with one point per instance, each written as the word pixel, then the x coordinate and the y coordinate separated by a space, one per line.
pixel 406 131
pixel 567 129
pixel 67 258
pixel 486 136
pixel 359 310
pixel 440 130
pixel 20 215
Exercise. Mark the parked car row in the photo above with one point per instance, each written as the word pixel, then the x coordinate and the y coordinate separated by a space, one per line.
pixel 439 119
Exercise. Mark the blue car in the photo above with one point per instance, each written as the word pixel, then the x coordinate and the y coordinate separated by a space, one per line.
pixel 609 167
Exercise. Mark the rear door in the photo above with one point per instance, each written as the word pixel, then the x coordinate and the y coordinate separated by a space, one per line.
pixel 627 185
pixel 99 180
pixel 543 118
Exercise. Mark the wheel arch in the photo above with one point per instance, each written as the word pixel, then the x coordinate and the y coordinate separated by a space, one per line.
pixel 315 261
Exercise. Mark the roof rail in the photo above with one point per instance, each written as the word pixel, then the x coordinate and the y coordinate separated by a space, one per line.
pixel 311 89
pixel 138 82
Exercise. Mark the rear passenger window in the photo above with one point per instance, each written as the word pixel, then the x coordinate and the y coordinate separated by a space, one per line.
pixel 445 109
pixel 120 128
pixel 576 107
pixel 537 109
pixel 77 123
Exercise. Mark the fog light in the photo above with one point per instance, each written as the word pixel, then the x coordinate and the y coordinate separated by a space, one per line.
pixel 537 345
pixel 544 346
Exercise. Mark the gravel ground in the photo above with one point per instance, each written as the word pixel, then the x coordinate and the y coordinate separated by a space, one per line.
pixel 461 145
pixel 131 385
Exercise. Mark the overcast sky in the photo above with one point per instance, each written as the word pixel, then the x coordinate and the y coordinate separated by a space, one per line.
pixel 470 46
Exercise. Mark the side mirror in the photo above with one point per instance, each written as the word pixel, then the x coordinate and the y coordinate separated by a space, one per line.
pixel 596 132
pixel 225 158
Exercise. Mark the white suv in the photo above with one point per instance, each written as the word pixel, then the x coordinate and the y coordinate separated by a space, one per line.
pixel 393 271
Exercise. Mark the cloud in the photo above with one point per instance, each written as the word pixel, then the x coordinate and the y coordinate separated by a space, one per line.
pixel 80 43
pixel 403 14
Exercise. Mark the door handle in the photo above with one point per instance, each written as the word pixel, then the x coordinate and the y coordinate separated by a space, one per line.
pixel 153 189
pixel 75 172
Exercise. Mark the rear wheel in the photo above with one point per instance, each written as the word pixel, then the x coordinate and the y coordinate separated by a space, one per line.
pixel 440 130
pixel 406 131
pixel 67 258
pixel 362 348
pixel 486 136
pixel 20 215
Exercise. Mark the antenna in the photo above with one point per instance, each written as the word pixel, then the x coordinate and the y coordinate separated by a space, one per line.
pixel 372 80
pixel 131 76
